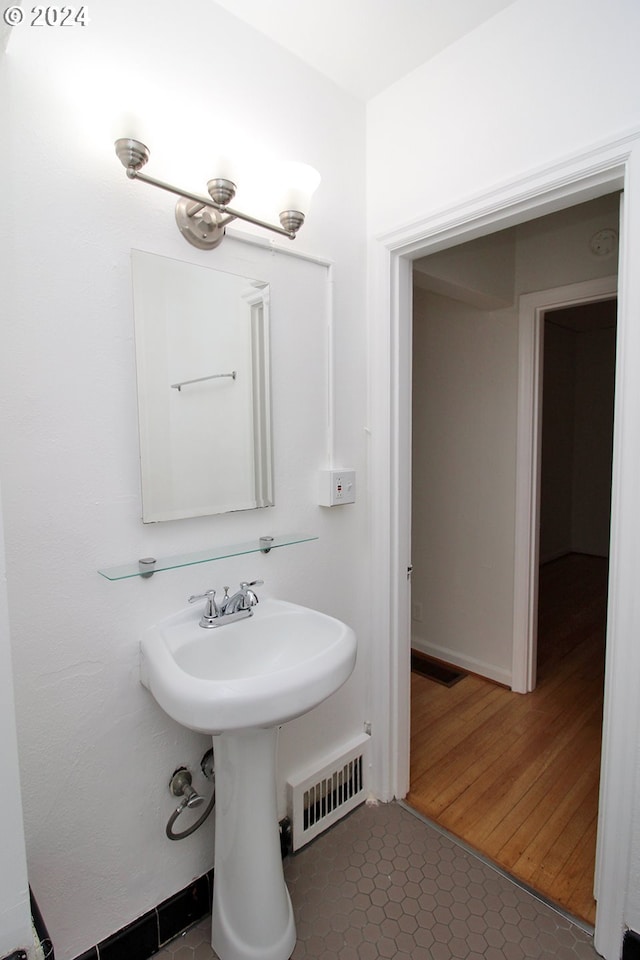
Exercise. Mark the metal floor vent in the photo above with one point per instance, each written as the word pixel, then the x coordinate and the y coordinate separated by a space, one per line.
pixel 317 800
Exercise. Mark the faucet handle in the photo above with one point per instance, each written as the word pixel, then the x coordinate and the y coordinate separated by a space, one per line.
pixel 209 595
pixel 250 597
pixel 211 611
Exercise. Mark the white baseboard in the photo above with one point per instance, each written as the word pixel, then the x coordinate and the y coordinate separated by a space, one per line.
pixel 456 659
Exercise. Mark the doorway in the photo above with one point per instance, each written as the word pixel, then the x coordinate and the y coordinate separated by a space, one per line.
pixel 516 777
pixel 584 175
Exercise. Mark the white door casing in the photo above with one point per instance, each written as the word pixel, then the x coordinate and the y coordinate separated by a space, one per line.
pixel 531 309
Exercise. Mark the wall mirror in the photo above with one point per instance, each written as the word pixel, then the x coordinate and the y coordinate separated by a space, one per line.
pixel 202 356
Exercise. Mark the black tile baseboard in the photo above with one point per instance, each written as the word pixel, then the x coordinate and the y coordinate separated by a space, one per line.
pixel 91 954
pixel 631 946
pixel 183 909
pixel 146 935
pixel 41 928
pixel 138 940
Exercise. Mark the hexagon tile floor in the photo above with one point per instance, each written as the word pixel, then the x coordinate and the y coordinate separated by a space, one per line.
pixel 383 883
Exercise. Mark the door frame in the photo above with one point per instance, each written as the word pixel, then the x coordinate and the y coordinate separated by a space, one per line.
pixel 531 310
pixel 582 177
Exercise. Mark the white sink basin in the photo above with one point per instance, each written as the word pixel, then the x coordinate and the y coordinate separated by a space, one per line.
pixel 258 672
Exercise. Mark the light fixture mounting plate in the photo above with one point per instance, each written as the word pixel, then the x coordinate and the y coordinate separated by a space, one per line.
pixel 201 229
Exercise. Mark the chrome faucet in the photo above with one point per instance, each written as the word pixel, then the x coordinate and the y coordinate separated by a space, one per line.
pixel 236 607
pixel 243 599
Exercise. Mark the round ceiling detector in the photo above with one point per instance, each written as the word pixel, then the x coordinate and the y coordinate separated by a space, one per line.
pixel 604 243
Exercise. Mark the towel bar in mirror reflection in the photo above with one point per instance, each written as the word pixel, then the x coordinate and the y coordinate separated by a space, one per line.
pixel 213 376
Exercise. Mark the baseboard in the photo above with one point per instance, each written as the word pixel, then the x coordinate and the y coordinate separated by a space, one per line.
pixel 146 935
pixel 631 946
pixel 40 928
pixel 554 555
pixel 143 937
pixel 560 555
pixel 468 664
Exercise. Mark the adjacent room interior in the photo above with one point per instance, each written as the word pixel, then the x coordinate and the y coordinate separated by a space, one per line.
pixel 513 775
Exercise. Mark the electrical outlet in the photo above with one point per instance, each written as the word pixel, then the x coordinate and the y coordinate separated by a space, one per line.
pixel 336 487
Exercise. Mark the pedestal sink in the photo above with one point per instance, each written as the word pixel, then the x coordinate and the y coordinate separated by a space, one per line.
pixel 239 682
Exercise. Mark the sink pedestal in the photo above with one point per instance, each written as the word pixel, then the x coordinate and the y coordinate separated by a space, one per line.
pixel 241 685
pixel 252 918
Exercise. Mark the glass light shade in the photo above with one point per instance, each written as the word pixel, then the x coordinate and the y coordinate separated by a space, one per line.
pixel 300 181
pixel 224 167
pixel 130 126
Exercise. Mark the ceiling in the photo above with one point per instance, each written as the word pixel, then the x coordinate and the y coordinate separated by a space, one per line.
pixel 364 45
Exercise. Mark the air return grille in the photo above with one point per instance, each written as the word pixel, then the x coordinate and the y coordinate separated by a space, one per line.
pixel 319 798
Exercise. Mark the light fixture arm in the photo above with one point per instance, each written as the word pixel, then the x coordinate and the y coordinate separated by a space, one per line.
pixel 230 213
pixel 199 229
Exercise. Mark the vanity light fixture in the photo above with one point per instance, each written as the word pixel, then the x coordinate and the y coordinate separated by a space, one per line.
pixel 202 220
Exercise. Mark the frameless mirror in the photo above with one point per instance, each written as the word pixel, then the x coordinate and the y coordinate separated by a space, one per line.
pixel 202 355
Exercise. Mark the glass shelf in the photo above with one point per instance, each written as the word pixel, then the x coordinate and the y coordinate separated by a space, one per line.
pixel 146 569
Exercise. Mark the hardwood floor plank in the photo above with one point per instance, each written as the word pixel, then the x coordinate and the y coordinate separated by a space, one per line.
pixel 551 862
pixel 561 821
pixel 509 751
pixel 571 884
pixel 431 701
pixel 517 776
pixel 464 727
pixel 543 786
pixel 507 787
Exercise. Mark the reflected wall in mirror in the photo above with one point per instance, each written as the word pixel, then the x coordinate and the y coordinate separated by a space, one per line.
pixel 202 355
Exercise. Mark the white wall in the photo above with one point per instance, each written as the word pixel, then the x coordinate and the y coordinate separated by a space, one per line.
pixel 518 93
pixel 96 753
pixel 464 379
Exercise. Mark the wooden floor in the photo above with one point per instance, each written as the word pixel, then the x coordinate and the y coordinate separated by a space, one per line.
pixel 516 776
